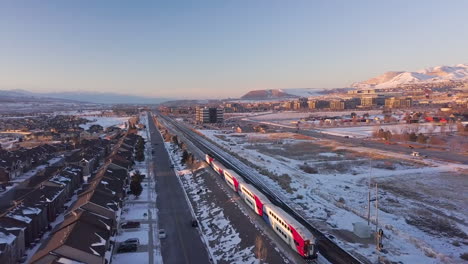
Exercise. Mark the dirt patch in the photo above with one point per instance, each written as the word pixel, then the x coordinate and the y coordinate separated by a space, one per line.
pixel 298 151
pixel 283 180
pixel 223 138
pixel 435 225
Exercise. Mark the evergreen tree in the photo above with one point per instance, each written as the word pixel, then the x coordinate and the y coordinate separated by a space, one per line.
pixel 185 155
pixel 136 188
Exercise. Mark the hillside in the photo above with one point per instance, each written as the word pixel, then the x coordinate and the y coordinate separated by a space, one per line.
pixel 266 94
pixel 269 94
pixel 91 97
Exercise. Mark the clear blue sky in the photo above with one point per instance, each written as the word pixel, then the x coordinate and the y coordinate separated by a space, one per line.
pixel 221 48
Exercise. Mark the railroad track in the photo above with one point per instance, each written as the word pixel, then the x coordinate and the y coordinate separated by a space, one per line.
pixel 326 247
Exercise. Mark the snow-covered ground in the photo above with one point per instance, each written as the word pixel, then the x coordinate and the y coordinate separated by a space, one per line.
pixel 222 238
pixel 333 195
pixel 366 131
pixel 104 121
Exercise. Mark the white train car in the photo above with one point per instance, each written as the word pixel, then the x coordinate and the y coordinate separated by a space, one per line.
pixel 208 159
pixel 218 167
pixel 290 230
pixel 233 179
pixel 253 198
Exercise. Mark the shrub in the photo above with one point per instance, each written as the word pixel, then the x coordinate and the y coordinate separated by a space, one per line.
pixel 308 169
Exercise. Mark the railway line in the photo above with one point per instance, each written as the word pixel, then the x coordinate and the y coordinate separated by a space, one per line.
pixel 326 247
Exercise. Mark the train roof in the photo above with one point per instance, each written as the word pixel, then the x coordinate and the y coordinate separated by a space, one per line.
pixel 235 175
pixel 256 192
pixel 305 233
pixel 218 164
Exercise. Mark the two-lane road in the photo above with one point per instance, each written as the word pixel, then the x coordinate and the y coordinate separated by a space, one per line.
pixel 183 243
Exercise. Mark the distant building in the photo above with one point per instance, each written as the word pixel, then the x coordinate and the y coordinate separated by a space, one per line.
pixel 370 100
pixel 209 115
pixel 341 104
pixel 318 104
pixel 300 103
pixel 337 104
pixel 398 102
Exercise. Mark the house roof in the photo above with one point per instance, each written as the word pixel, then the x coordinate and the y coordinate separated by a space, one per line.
pixel 91 218
pixel 120 174
pixel 121 162
pixel 8 222
pixel 80 235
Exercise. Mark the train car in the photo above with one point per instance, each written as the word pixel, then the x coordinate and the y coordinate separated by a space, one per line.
pixel 299 238
pixel 233 179
pixel 218 167
pixel 253 198
pixel 208 159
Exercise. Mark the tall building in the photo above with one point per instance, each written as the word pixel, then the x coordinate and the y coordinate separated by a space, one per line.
pixel 318 104
pixel 209 115
pixel 398 102
pixel 300 103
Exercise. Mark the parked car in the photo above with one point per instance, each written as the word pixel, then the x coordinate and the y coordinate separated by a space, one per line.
pixel 162 233
pixel 194 223
pixel 127 248
pixel 132 241
pixel 130 225
pixel 172 166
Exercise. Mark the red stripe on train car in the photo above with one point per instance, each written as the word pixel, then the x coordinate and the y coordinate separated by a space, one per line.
pixel 259 206
pixel 300 245
pixel 236 183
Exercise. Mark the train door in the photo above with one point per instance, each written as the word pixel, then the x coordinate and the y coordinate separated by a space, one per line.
pixel 265 216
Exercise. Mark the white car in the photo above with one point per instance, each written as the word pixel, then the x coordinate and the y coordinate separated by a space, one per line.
pixel 162 233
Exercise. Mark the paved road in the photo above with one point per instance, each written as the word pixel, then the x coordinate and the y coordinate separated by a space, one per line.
pixel 183 243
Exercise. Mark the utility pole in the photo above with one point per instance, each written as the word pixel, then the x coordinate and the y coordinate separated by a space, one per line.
pixel 376 208
pixel 378 232
pixel 369 192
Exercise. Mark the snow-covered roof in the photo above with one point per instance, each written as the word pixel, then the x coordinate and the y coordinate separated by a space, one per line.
pixel 304 232
pixel 6 238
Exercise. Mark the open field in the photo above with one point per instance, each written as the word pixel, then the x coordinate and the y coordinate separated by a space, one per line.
pixel 423 220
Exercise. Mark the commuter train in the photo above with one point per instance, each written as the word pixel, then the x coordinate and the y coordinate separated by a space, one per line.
pixel 293 233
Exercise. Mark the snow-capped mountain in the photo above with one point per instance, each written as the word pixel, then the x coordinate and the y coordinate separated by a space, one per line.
pixel 392 79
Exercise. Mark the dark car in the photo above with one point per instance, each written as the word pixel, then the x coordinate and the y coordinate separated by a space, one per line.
pixel 194 223
pixel 132 241
pixel 172 166
pixel 130 225
pixel 127 248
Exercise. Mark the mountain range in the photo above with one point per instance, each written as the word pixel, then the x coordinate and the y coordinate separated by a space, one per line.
pixel 89 97
pixel 436 74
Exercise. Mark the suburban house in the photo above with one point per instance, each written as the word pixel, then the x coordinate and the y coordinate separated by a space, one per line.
pixel 82 237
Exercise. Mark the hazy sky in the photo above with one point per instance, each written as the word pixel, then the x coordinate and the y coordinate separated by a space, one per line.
pixel 221 48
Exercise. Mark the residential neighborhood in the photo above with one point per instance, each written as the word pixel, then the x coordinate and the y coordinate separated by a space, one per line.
pixel 63 201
